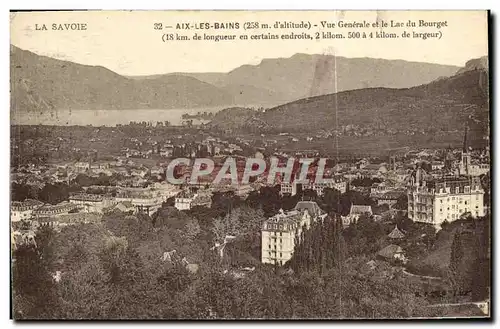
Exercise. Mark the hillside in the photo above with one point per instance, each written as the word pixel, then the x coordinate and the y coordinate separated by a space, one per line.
pixel 444 104
pixel 40 83
pixel 476 236
pixel 440 106
pixel 475 64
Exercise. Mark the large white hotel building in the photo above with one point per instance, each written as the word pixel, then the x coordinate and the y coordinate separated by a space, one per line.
pixel 434 201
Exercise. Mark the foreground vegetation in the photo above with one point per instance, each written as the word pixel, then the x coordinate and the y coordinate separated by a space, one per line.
pixel 117 270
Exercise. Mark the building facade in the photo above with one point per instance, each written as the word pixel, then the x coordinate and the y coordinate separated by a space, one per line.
pixel 186 200
pixel 56 210
pixel 434 201
pixel 281 233
pixel 91 203
pixel 339 183
pixel 23 210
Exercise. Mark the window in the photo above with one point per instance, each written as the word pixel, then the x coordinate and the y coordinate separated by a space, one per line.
pixel 465 202
pixel 281 234
pixel 467 189
pixel 457 190
pixel 281 241
pixel 269 246
pixel 281 254
pixel 441 209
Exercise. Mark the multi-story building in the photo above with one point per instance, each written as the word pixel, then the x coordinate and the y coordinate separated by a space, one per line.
pixel 339 183
pixel 381 188
pixel 143 201
pixel 355 213
pixel 437 165
pixel 91 203
pixel 81 167
pixel 389 198
pixel 23 210
pixel 434 201
pixel 282 232
pixel 56 210
pixel 187 200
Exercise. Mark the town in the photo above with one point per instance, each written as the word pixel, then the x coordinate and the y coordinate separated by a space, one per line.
pixel 278 165
pixel 385 214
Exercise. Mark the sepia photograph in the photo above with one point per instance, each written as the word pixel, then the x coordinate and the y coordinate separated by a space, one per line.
pixel 250 165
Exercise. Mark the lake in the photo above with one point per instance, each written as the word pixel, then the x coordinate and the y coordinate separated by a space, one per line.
pixel 105 117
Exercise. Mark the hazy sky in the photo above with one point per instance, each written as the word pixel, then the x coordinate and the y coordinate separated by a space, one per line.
pixel 127 43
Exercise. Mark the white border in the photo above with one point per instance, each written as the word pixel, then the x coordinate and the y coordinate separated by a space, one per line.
pixel 187 4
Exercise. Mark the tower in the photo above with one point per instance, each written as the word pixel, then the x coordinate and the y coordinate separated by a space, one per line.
pixel 465 163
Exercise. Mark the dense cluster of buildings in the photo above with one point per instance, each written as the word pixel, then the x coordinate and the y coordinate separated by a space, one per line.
pixel 435 199
pixel 178 146
pixel 439 186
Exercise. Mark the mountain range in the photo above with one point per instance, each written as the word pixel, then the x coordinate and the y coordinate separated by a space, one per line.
pixel 281 80
pixel 40 83
pixel 441 106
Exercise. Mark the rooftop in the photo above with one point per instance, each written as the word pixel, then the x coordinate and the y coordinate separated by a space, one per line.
pixel 311 206
pixel 390 251
pixel 360 209
pixel 86 197
pixel 26 203
pixel 396 234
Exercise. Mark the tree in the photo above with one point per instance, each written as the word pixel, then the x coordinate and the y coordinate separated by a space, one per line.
pixel 365 236
pixel 268 198
pixel 402 203
pixel 456 259
pixel 33 287
pixel 239 221
pixel 192 229
pixel 331 200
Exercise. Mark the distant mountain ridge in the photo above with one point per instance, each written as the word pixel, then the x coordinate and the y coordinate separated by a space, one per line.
pixel 40 83
pixel 280 80
pixel 442 105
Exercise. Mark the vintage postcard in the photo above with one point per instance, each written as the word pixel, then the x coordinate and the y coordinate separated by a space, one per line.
pixel 250 165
